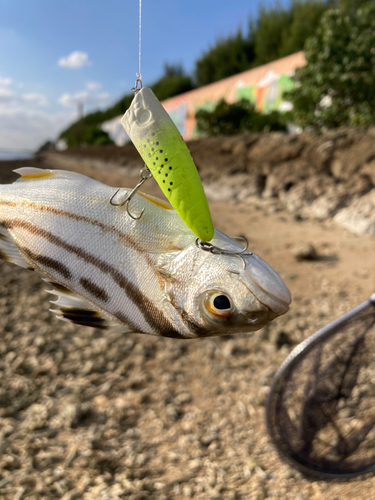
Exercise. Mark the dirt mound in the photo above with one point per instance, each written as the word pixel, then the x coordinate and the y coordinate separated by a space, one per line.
pixel 312 175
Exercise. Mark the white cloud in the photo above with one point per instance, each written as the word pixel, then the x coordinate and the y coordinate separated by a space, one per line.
pixel 22 128
pixel 71 100
pixel 35 99
pixel 22 124
pixel 90 96
pixel 8 97
pixel 74 60
pixel 93 86
pixel 5 82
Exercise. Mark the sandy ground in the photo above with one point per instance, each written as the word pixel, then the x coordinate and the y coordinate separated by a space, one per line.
pixel 85 415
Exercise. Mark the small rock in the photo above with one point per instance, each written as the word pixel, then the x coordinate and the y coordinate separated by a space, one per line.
pixel 187 491
pixel 36 417
pixel 305 251
pixel 183 398
pixel 207 439
pixel 280 338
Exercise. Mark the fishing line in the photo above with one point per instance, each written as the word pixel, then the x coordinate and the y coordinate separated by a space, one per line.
pixel 138 82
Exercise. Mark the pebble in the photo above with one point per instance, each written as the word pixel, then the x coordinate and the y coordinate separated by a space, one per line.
pixel 305 251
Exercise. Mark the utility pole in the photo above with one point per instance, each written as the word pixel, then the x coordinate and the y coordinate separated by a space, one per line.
pixel 80 109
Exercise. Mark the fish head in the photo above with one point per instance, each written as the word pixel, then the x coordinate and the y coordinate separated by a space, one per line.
pixel 226 293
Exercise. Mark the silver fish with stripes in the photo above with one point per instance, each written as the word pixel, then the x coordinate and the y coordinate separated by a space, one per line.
pixel 149 276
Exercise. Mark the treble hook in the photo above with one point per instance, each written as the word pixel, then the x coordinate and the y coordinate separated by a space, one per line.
pixel 209 247
pixel 145 174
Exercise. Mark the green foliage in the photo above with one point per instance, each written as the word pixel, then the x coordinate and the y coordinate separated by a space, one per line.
pixel 306 16
pixel 337 86
pixel 229 56
pixel 280 31
pixel 349 6
pixel 229 119
pixel 277 32
pixel 47 146
pixel 268 33
pixel 82 133
pixel 173 82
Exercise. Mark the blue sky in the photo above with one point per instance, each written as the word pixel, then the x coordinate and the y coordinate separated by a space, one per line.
pixel 55 52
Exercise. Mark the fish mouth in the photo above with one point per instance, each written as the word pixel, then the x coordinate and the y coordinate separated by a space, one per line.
pixel 266 285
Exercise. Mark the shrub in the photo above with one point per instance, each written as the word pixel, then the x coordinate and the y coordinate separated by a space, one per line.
pixel 229 119
pixel 337 86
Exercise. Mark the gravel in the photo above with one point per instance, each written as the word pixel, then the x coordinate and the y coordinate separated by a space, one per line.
pixel 91 415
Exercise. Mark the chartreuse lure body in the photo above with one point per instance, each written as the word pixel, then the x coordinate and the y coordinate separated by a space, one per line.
pixel 165 153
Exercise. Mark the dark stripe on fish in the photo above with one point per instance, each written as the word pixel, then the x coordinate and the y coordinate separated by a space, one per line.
pixel 45 261
pixel 174 334
pixel 79 218
pixel 153 316
pixel 94 290
pixel 193 327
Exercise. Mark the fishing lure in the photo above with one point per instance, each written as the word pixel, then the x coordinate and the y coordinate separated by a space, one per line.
pixel 165 153
pixel 108 270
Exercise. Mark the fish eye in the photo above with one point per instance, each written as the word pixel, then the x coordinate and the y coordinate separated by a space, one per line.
pixel 219 304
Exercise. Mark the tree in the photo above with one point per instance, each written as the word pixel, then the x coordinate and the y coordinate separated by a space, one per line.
pixel 349 6
pixel 228 57
pixel 337 86
pixel 280 31
pixel 173 82
pixel 268 33
pixel 305 19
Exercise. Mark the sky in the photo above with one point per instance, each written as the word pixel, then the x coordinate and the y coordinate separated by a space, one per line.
pixel 55 53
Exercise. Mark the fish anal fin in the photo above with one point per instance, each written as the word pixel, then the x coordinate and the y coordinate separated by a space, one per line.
pixel 72 308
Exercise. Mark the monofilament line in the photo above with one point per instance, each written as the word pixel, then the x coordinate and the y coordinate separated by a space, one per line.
pixel 139 74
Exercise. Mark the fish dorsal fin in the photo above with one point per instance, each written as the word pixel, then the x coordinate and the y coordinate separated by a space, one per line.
pixel 34 174
pixel 70 307
pixel 9 251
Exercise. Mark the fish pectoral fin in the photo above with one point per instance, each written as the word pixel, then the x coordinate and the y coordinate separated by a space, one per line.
pixel 9 251
pixel 164 265
pixel 74 309
pixel 165 273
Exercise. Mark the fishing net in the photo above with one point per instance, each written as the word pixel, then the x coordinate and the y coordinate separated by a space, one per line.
pixel 321 407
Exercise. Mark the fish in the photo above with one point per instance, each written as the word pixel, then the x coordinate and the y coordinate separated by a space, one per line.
pixel 149 276
pixel 166 155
